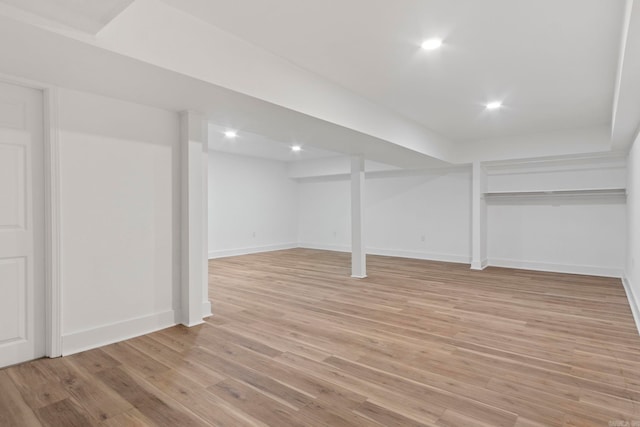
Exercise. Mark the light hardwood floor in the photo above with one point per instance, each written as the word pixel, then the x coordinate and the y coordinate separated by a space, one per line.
pixel 296 342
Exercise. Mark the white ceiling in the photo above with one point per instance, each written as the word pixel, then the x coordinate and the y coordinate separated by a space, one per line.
pixel 85 15
pixel 55 59
pixel 252 144
pixel 553 63
pixel 348 76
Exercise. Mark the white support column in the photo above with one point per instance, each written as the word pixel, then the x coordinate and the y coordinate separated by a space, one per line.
pixel 358 252
pixel 206 304
pixel 193 141
pixel 478 218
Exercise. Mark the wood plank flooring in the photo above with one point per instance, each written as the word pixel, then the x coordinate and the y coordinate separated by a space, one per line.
pixel 296 342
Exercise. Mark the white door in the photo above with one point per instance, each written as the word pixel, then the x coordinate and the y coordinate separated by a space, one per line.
pixel 21 225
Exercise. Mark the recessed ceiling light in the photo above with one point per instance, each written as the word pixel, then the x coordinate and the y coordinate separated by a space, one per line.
pixel 296 148
pixel 230 134
pixel 494 105
pixel 431 44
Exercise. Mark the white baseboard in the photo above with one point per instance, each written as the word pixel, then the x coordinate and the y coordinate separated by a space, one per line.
pixel 251 250
pixel 556 268
pixel 429 256
pixel 325 247
pixel 109 334
pixel 479 265
pixel 633 301
pixel 206 309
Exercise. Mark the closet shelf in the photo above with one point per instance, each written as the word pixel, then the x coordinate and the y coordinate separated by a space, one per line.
pixel 587 192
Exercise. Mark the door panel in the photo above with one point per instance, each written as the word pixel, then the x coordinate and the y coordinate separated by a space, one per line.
pixel 21 225
pixel 13 325
pixel 12 183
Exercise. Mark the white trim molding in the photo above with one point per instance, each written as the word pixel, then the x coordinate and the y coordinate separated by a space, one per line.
pixel 633 304
pixel 427 256
pixel 479 265
pixel 399 253
pixel 587 270
pixel 206 309
pixel 323 247
pixel 223 253
pixel 53 273
pixel 119 331
pixel 53 233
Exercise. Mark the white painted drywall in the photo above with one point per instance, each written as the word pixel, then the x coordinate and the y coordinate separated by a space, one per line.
pixel 120 206
pixel 331 167
pixel 426 216
pixel 632 270
pixel 324 214
pixel 185 44
pixel 573 236
pixel 419 216
pixel 252 205
pixel 597 173
pixel 565 234
pixel 568 235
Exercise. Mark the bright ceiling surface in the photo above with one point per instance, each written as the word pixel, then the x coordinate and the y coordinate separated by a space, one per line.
pixel 552 63
pixel 350 76
pixel 84 15
pixel 246 143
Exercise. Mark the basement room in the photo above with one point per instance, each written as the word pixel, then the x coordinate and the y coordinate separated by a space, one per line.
pixel 319 213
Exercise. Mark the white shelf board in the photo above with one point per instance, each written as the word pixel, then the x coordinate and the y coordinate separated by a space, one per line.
pixel 584 192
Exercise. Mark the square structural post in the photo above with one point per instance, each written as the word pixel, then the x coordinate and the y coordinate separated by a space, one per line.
pixel 478 218
pixel 193 144
pixel 358 252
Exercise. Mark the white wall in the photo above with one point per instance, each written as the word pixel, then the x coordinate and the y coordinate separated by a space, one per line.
pixel 419 216
pixel 564 235
pixel 324 214
pixel 632 270
pixel 252 205
pixel 120 206
pixel 570 234
pixel 426 216
pixel 576 235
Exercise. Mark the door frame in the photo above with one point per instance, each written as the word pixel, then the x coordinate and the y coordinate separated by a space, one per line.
pixel 52 219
